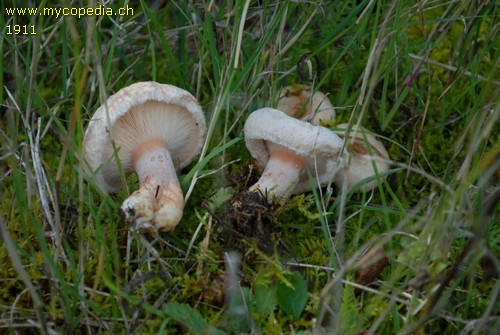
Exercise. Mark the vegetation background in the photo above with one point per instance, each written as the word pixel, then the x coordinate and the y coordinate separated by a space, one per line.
pixel 422 74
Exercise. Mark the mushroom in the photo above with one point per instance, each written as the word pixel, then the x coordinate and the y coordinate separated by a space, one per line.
pixel 363 149
pixel 153 129
pixel 285 147
pixel 299 102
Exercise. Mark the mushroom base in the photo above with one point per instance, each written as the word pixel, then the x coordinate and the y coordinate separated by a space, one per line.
pixel 159 202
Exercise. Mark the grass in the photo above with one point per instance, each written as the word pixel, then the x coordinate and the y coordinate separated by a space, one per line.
pixel 424 75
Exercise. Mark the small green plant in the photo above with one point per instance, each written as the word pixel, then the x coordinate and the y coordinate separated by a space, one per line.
pixel 292 295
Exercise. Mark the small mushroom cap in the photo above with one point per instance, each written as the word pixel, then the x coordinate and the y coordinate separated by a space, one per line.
pixel 138 113
pixel 318 146
pixel 296 101
pixel 361 166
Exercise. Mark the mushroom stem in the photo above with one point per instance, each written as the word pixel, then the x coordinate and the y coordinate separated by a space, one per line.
pixel 281 174
pixel 159 201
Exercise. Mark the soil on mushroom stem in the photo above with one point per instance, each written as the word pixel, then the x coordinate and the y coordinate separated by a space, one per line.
pixel 248 218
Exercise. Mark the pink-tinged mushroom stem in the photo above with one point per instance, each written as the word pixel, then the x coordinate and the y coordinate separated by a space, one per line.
pixel 159 201
pixel 282 173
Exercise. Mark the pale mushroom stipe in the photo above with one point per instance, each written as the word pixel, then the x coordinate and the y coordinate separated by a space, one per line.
pixel 365 152
pixel 284 146
pixel 157 129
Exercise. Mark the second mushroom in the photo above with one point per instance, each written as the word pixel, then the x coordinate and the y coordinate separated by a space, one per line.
pixel 285 147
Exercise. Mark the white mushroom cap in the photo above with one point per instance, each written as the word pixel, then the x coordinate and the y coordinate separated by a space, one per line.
pixel 139 112
pixel 363 155
pixel 268 128
pixel 299 102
